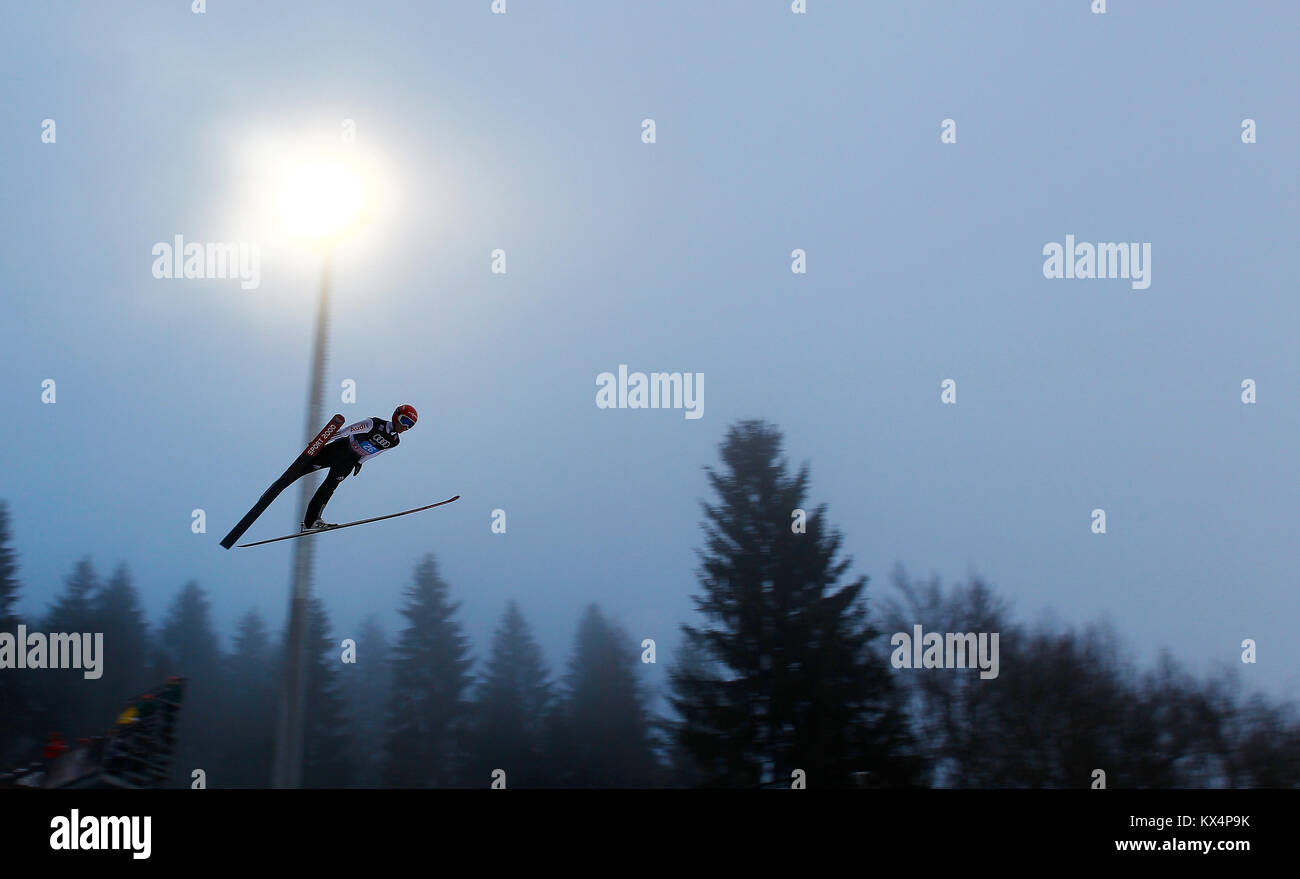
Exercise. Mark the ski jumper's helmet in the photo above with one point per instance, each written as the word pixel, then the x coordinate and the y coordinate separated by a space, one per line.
pixel 405 416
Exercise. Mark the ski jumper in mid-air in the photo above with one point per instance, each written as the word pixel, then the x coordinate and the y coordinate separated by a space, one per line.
pixel 342 454
pixel 346 452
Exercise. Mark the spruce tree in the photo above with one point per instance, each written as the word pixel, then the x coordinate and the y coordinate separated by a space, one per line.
pixel 16 723
pixel 327 760
pixel 67 699
pixel 250 729
pixel 367 685
pixel 792 679
pixel 73 609
pixel 188 635
pixel 8 575
pixel 602 737
pixel 127 650
pixel 514 698
pixel 427 708
pixel 189 648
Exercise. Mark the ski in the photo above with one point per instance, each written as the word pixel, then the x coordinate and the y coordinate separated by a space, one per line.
pixel 350 524
pixel 283 482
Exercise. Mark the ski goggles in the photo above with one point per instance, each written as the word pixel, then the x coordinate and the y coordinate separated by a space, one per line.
pixel 405 421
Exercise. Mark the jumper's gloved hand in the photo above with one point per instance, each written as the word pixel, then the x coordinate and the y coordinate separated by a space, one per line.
pixel 356 470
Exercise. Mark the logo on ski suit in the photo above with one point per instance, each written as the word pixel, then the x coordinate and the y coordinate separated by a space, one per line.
pixel 378 440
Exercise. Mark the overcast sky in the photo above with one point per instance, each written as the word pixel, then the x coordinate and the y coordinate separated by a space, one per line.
pixel 774 131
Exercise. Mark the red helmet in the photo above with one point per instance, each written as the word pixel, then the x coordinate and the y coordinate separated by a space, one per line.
pixel 405 416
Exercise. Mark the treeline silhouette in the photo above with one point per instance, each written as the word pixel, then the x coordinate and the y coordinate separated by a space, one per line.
pixel 782 674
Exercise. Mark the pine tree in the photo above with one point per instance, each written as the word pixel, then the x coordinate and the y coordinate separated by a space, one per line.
pixel 796 683
pixel 250 725
pixel 66 697
pixel 682 770
pixel 73 609
pixel 427 709
pixel 8 575
pixel 327 759
pixel 15 708
pixel 190 649
pixel 602 734
pixel 127 649
pixel 513 701
pixel 189 638
pixel 367 685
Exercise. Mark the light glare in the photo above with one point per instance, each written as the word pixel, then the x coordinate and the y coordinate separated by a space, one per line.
pixel 320 200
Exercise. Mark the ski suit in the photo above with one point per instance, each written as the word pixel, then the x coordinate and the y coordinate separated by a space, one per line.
pixel 353 446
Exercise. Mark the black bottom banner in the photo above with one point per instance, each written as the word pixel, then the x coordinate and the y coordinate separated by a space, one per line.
pixel 332 828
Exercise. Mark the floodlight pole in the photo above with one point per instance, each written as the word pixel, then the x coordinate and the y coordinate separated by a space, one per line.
pixel 287 769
